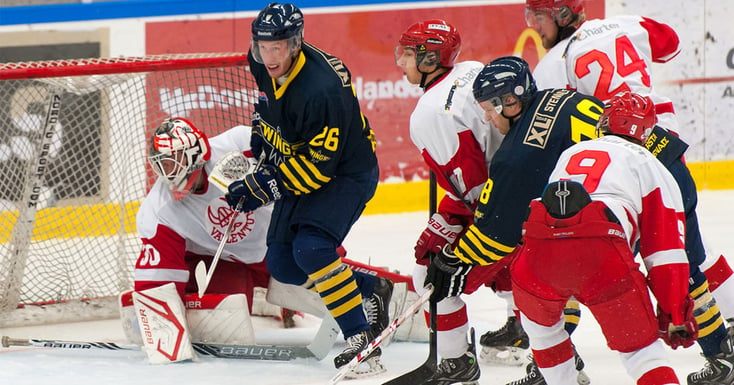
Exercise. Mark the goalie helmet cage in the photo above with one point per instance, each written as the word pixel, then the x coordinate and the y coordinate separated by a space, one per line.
pixel 73 170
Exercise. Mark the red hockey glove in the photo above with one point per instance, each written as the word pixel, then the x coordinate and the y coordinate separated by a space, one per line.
pixel 683 335
pixel 442 229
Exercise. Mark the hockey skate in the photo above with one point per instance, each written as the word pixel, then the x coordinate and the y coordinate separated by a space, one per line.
pixel 505 346
pixel 377 306
pixel 369 366
pixel 534 377
pixel 718 369
pixel 461 370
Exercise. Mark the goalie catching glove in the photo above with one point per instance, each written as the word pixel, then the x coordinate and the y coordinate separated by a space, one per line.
pixel 442 230
pixel 255 190
pixel 447 274
pixel 683 335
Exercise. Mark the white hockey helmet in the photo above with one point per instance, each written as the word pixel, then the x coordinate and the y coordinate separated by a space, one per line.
pixel 178 152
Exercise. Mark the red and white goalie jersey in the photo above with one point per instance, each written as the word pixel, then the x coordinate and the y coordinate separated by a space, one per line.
pixel 448 127
pixel 607 56
pixel 172 229
pixel 649 208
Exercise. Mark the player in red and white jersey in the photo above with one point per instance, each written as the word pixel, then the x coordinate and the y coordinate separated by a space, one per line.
pixel 601 57
pixel 182 224
pixel 605 196
pixel 604 57
pixel 457 144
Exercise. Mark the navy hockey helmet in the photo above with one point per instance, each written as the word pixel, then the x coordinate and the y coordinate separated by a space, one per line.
pixel 628 114
pixel 277 22
pixel 502 76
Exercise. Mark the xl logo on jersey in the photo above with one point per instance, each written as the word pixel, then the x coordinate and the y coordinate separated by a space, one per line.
pixel 219 215
pixel 539 131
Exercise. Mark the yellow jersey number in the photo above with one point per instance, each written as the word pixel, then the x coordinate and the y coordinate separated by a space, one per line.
pixel 582 129
pixel 328 139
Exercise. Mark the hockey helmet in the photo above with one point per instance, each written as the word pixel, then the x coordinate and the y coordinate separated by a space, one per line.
pixel 277 22
pixel 564 12
pixel 502 76
pixel 178 152
pixel 628 114
pixel 435 42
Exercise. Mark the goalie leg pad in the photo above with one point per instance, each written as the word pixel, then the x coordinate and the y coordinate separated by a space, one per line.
pixel 129 319
pixel 163 326
pixel 219 319
pixel 297 298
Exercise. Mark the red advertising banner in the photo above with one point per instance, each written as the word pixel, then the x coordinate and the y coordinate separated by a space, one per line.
pixel 365 42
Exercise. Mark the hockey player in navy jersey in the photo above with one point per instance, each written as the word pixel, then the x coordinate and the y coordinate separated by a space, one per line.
pixel 538 126
pixel 319 168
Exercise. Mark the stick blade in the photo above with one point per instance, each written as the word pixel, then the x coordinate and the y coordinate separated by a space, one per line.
pixel 200 275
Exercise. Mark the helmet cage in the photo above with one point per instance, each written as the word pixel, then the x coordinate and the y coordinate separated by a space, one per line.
pixel 178 152
pixel 629 115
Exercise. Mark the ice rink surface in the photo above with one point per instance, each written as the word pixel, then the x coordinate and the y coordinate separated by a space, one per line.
pixel 382 240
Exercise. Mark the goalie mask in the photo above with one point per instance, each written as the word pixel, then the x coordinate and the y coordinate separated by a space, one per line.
pixel 178 152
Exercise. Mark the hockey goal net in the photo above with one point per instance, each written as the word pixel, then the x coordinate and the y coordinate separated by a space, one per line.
pixel 73 170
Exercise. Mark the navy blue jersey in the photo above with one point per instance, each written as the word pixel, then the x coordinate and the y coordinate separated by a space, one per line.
pixel 312 124
pixel 665 145
pixel 551 122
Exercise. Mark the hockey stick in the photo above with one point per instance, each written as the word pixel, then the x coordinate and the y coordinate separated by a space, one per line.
pixel 243 352
pixel 426 370
pixel 202 275
pixel 407 313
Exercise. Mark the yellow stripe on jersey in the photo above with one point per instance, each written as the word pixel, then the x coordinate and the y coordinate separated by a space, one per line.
pixel 478 249
pixel 301 176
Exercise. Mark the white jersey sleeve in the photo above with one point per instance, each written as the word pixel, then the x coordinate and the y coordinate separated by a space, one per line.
pixel 448 128
pixel 201 218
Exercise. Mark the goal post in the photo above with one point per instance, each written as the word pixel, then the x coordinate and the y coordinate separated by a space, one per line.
pixel 73 170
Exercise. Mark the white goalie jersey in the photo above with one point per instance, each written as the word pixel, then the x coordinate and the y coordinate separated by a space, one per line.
pixel 195 224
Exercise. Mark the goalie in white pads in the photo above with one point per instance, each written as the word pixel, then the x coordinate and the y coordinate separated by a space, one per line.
pixel 180 223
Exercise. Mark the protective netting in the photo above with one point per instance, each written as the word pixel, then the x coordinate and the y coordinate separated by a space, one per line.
pixel 73 165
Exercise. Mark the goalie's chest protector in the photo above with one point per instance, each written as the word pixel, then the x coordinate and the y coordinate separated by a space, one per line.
pixel 201 218
pixel 318 94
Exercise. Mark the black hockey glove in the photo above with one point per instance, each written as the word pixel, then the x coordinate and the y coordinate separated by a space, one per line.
pixel 447 274
pixel 258 189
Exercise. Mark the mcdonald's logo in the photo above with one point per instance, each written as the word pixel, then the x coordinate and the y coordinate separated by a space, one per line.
pixel 529 35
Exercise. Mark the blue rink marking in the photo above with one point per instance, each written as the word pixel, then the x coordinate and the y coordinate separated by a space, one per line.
pixel 120 9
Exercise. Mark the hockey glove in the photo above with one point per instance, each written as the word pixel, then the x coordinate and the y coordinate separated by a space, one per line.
pixel 256 140
pixel 256 189
pixel 442 230
pixel 447 274
pixel 683 335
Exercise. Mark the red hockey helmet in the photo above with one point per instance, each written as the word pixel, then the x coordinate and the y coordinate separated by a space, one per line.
pixel 433 36
pixel 562 11
pixel 628 114
pixel 178 152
